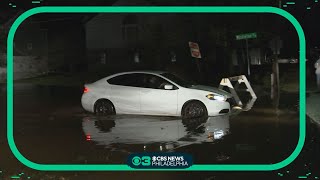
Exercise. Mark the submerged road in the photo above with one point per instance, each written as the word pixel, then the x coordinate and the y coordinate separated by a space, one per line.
pixel 50 127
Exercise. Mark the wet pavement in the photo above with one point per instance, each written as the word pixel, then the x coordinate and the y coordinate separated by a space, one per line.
pixel 50 126
pixel 312 106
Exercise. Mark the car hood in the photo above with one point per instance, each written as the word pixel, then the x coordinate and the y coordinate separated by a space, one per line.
pixel 212 89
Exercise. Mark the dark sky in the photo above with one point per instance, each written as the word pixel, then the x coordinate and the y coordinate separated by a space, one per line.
pixel 308 18
pixel 307 13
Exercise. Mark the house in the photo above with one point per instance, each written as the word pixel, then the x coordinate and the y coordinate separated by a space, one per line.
pixel 132 39
pixel 126 41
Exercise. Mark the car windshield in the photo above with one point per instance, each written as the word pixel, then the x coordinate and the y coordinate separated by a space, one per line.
pixel 177 80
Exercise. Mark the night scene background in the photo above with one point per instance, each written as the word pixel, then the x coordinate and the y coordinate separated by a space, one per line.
pixel 56 54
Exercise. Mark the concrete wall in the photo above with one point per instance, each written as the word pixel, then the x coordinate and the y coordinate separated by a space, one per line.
pixel 26 67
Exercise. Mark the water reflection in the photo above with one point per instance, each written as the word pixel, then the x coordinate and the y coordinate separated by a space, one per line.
pixel 164 132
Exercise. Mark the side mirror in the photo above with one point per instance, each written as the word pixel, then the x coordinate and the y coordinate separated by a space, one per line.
pixel 168 87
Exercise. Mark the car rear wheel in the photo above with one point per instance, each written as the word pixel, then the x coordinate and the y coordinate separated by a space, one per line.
pixel 104 107
pixel 194 109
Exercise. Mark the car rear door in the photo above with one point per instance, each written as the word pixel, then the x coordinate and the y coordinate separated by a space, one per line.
pixel 125 93
pixel 155 100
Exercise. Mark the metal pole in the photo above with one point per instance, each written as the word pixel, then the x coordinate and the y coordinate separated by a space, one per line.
pixel 199 69
pixel 248 60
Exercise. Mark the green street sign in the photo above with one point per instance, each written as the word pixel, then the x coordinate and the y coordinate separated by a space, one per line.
pixel 246 36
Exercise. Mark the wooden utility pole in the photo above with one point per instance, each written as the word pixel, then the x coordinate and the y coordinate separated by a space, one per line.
pixel 275 45
pixel 275 84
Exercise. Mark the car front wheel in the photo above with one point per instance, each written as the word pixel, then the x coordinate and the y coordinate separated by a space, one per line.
pixel 194 109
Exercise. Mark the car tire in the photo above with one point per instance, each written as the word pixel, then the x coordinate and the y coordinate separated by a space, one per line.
pixel 104 107
pixel 194 109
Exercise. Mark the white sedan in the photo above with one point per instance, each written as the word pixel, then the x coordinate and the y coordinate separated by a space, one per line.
pixel 153 93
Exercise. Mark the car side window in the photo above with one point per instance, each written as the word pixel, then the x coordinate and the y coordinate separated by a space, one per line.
pixel 154 82
pixel 134 80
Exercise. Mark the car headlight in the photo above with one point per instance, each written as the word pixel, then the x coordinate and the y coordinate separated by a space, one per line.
pixel 216 97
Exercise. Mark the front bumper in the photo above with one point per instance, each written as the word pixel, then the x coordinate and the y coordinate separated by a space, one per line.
pixel 218 107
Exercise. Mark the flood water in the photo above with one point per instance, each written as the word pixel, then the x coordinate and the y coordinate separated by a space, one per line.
pixel 50 127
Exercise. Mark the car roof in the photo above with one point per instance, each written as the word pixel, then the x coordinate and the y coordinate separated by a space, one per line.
pixel 147 71
pixel 132 72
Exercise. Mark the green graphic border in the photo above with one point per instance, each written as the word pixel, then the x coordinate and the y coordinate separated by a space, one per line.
pixel 153 9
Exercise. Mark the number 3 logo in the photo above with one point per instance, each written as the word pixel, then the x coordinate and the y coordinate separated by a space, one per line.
pixel 146 161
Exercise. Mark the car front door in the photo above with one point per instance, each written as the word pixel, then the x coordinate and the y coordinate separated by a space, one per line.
pixel 155 100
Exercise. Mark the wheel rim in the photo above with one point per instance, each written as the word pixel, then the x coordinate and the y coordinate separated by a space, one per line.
pixel 104 108
pixel 194 110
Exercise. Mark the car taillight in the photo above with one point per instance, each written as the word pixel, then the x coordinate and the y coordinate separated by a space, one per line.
pixel 85 90
pixel 88 137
